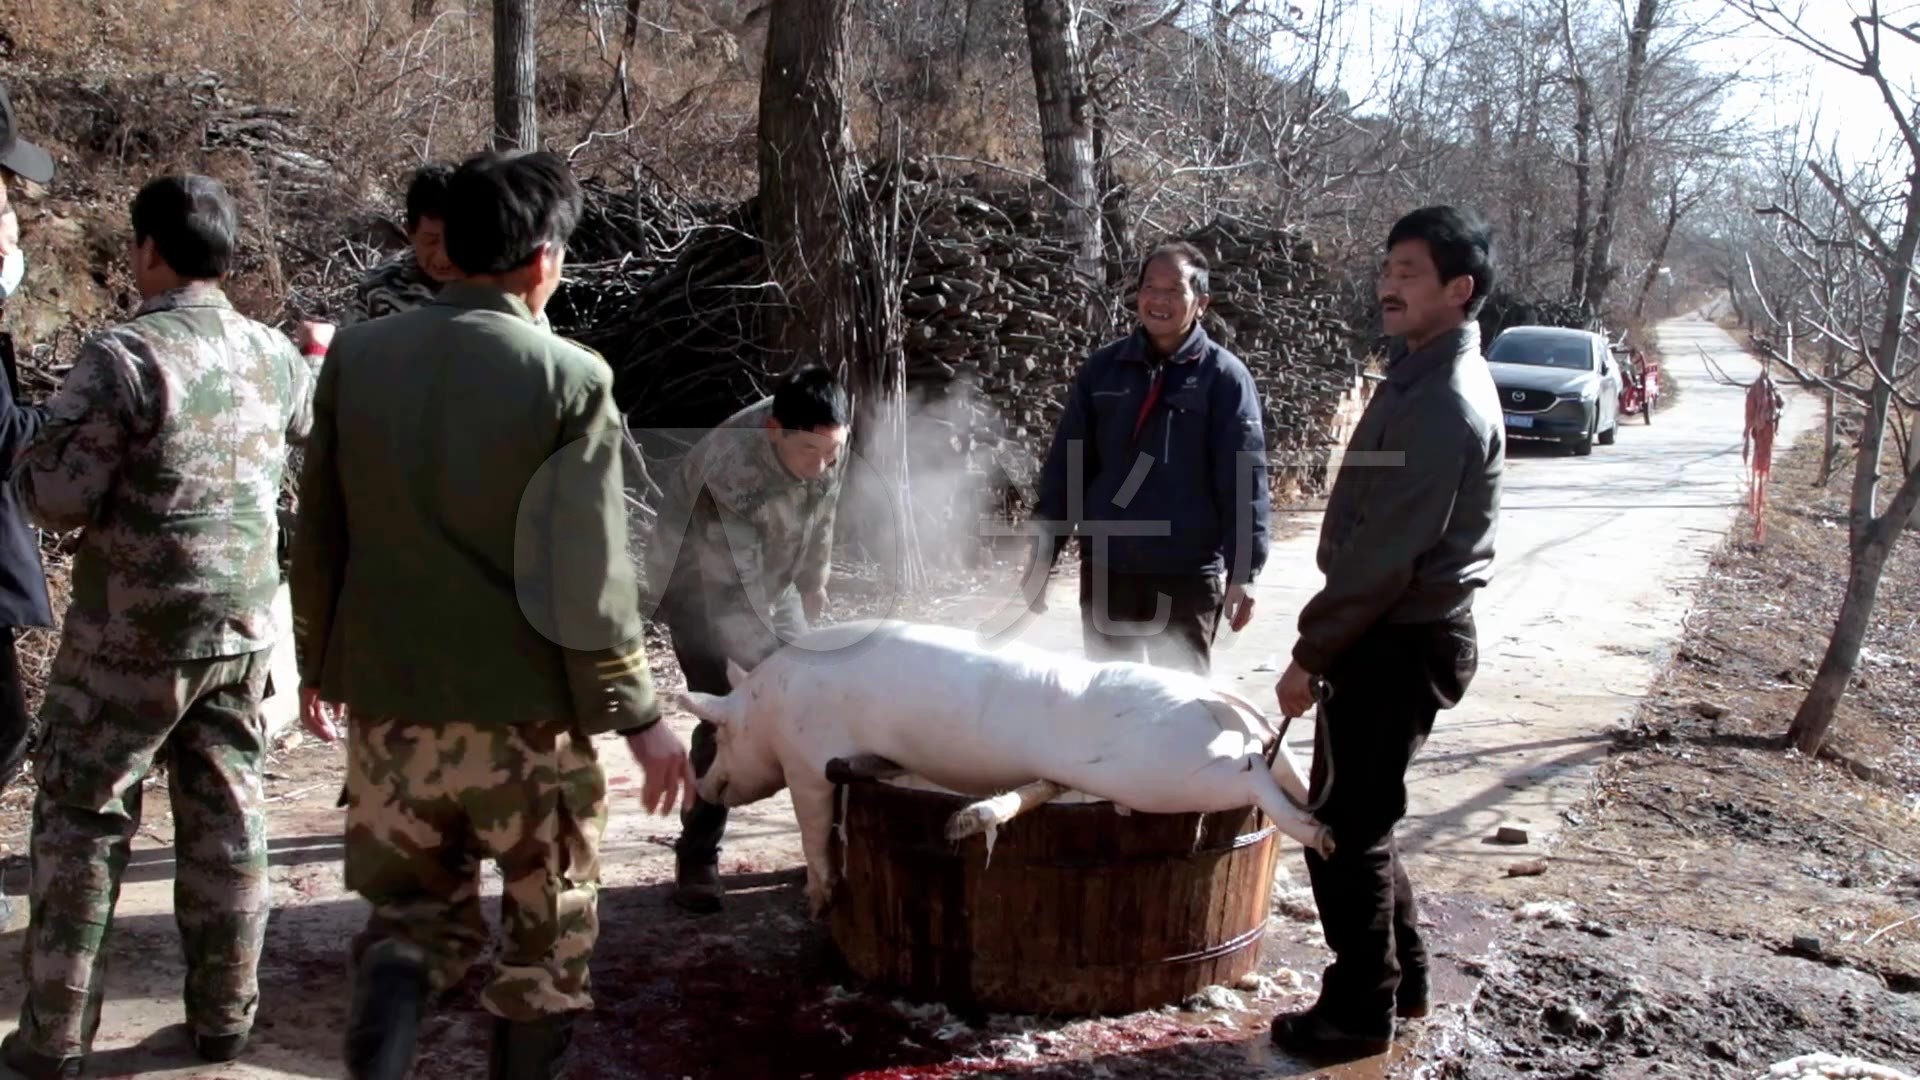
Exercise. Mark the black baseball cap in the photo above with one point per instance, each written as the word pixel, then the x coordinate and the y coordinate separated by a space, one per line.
pixel 16 153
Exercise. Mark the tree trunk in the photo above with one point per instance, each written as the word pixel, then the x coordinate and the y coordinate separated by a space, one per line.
pixel 808 194
pixel 516 122
pixel 1913 466
pixel 1830 452
pixel 1582 187
pixel 1814 719
pixel 1066 136
pixel 1600 268
pixel 1116 226
pixel 1659 251
pixel 1582 156
pixel 1870 536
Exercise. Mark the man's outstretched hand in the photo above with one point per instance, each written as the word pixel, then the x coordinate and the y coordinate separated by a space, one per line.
pixel 322 719
pixel 669 783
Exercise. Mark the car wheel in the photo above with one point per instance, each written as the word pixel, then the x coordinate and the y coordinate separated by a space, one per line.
pixel 1606 437
pixel 1583 447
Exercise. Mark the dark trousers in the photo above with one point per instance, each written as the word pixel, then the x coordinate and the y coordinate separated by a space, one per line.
pixel 15 724
pixel 702 823
pixel 1384 694
pixel 1167 620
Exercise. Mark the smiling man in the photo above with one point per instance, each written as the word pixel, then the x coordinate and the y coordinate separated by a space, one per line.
pixel 738 564
pixel 1159 466
pixel 1389 641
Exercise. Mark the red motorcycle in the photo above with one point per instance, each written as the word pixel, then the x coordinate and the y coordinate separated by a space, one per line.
pixel 1639 386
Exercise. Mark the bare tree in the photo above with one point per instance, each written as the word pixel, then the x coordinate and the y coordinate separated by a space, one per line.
pixel 1601 268
pixel 1879 225
pixel 808 193
pixel 1066 131
pixel 516 120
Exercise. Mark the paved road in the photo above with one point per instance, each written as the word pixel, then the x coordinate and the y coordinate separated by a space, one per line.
pixel 1597 561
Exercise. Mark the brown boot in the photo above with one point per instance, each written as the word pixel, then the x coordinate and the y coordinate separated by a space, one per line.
pixel 697 888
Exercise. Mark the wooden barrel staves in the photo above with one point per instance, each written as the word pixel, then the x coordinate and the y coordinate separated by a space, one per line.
pixel 1081 909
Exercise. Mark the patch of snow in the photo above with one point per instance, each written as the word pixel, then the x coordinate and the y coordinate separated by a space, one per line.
pixel 1214 997
pixel 1267 987
pixel 1832 1067
pixel 1547 912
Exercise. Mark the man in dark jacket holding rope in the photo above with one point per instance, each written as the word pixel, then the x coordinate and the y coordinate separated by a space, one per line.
pixel 1390 641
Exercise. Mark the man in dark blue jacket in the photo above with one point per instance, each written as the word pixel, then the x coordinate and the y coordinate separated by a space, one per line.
pixel 23 580
pixel 1159 466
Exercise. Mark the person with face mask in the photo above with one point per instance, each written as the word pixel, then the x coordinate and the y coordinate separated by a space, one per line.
pixel 739 561
pixel 23 579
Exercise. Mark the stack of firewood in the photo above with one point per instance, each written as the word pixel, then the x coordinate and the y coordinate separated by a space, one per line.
pixel 997 319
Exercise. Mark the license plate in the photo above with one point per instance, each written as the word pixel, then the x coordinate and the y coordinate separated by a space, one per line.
pixel 1519 421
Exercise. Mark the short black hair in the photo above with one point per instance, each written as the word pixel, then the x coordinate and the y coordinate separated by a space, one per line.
pixel 502 206
pixel 1199 274
pixel 808 398
pixel 191 222
pixel 427 193
pixel 1458 241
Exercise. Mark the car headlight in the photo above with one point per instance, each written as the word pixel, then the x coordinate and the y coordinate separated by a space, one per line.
pixel 1586 395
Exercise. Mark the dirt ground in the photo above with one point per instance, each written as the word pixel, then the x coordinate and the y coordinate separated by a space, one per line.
pixel 1721 904
pixel 1660 939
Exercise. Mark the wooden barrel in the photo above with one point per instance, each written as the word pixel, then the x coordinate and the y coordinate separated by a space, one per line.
pixel 1081 909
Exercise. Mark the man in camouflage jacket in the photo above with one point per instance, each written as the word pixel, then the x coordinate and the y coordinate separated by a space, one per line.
pixel 415 276
pixel 165 447
pixel 738 564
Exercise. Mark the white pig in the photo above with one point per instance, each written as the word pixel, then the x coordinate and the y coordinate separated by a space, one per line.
pixel 981 721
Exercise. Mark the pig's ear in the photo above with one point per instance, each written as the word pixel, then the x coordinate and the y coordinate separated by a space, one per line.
pixel 735 674
pixel 712 708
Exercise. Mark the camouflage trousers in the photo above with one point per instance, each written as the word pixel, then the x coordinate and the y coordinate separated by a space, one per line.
pixel 428 802
pixel 106 722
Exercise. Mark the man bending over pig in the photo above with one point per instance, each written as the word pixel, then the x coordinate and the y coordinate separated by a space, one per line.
pixel 1389 641
pixel 1158 465
pixel 739 563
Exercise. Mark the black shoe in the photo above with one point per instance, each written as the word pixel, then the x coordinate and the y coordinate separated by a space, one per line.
pixel 1413 999
pixel 34 1065
pixel 1310 1034
pixel 219 1047
pixel 389 995
pixel 535 1050
pixel 697 888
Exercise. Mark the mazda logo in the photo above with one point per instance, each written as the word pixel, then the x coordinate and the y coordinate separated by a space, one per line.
pixel 1519 395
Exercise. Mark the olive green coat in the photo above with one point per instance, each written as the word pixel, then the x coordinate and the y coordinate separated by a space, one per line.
pixel 461 549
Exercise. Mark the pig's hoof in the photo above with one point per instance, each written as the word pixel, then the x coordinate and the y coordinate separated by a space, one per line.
pixel 972 820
